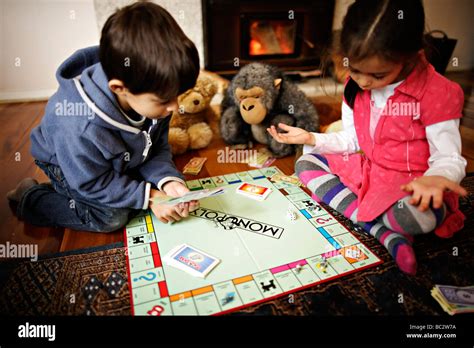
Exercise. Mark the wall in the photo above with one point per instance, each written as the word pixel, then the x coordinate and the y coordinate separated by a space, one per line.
pixel 42 33
pixel 453 17
pixel 35 37
pixel 187 13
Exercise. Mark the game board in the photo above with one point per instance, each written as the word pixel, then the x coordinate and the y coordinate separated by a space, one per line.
pixel 263 254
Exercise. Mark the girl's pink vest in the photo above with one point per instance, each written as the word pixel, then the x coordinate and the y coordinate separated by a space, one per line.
pixel 399 152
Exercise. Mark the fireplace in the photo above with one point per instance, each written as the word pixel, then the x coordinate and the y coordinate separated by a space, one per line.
pixel 270 37
pixel 290 34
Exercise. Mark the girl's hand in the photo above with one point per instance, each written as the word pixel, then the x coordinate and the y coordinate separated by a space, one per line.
pixel 293 135
pixel 427 188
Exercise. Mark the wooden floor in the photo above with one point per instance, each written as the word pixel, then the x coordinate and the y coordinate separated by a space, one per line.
pixel 17 121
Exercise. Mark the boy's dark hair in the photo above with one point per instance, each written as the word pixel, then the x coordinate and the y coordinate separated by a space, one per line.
pixel 392 29
pixel 144 47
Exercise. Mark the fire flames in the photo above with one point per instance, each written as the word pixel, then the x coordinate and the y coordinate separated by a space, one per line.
pixel 271 37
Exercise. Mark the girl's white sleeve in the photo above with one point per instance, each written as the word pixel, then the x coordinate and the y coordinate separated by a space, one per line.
pixel 445 151
pixel 341 142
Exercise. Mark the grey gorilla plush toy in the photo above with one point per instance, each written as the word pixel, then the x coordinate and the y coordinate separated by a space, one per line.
pixel 260 96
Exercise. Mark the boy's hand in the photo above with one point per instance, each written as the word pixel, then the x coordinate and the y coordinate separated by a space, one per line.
pixel 177 189
pixel 293 135
pixel 426 188
pixel 163 212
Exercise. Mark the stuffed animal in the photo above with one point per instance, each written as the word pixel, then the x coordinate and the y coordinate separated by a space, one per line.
pixel 189 126
pixel 260 96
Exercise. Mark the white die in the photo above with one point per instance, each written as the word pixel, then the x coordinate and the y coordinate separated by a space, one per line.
pixel 291 215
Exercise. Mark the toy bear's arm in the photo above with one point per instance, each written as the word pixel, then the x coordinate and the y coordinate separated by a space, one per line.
pixel 280 149
pixel 308 121
pixel 233 128
pixel 295 103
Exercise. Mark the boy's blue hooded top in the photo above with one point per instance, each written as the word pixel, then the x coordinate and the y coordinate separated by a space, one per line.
pixel 104 158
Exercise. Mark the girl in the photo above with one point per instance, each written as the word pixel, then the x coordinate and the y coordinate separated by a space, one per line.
pixel 396 166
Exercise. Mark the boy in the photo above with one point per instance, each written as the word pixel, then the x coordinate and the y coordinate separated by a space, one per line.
pixel 103 140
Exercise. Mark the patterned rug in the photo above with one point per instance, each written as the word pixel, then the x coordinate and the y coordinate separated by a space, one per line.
pixel 82 282
pixel 94 281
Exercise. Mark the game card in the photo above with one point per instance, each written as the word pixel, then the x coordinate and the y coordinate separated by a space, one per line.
pixel 254 191
pixel 190 196
pixel 191 260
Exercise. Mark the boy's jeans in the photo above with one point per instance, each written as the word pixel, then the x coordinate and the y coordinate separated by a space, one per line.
pixel 56 204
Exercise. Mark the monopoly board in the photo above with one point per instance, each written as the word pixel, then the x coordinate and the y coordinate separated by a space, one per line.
pixel 262 253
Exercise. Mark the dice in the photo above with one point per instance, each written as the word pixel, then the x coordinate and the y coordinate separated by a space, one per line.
pixel 291 215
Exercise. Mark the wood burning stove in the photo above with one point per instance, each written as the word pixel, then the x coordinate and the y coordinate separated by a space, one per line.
pixel 290 34
pixel 269 36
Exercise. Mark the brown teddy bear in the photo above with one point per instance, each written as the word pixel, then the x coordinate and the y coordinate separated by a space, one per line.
pixel 189 126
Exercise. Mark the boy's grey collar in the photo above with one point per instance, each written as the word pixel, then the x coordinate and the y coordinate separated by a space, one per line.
pixel 99 112
pixel 130 120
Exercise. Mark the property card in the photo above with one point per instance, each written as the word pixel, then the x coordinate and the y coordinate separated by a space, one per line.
pixel 264 158
pixel 254 191
pixel 194 166
pixel 285 178
pixel 191 260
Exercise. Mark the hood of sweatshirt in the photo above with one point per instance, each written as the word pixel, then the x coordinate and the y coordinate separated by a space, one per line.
pixel 82 75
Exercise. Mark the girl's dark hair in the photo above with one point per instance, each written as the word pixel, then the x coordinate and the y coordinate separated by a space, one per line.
pixel 392 29
pixel 144 47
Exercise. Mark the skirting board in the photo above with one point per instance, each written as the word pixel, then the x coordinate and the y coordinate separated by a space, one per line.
pixel 26 96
